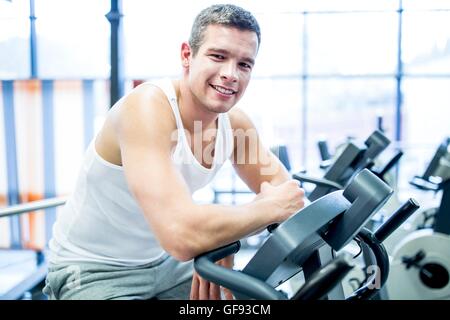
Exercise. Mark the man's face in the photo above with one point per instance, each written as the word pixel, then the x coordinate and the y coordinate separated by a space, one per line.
pixel 220 72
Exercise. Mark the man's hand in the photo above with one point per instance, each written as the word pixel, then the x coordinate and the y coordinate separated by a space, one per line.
pixel 202 289
pixel 287 198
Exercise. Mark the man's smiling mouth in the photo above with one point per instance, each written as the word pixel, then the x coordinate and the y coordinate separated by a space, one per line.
pixel 223 90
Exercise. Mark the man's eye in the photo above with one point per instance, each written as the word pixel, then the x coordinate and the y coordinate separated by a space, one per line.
pixel 245 65
pixel 218 56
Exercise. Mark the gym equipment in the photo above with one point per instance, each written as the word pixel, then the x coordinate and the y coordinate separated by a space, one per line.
pixel 307 243
pixel 23 269
pixel 32 206
pixel 349 161
pixel 324 151
pixel 421 261
pixel 327 159
pixel 354 158
pixel 420 267
pixel 436 178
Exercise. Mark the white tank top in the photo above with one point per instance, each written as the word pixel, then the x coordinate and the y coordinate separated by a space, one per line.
pixel 102 222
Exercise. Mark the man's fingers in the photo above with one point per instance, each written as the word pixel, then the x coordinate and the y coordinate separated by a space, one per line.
pixel 227 294
pixel 204 289
pixel 214 291
pixel 228 262
pixel 194 287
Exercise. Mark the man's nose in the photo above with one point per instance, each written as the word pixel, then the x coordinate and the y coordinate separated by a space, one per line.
pixel 229 72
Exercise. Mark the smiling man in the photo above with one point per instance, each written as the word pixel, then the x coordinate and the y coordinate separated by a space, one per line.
pixel 131 229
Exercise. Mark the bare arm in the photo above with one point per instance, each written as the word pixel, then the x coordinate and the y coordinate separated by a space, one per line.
pixel 184 229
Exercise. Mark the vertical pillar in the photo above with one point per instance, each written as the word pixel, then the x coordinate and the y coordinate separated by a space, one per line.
pixel 11 160
pixel 49 153
pixel 88 111
pixel 117 77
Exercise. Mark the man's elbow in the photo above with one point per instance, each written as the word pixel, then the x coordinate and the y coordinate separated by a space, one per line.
pixel 182 247
pixel 181 256
pixel 182 252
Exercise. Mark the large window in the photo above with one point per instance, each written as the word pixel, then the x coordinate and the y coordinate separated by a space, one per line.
pixel 325 69
pixel 73 39
pixel 426 115
pixel 349 107
pixel 352 43
pixel 14 40
pixel 430 29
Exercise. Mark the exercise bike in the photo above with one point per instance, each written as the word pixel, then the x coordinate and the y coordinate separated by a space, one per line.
pixel 421 260
pixel 308 243
pixel 353 158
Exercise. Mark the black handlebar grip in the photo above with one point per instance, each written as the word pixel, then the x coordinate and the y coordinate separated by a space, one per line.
pixel 324 280
pixel 396 219
pixel 225 251
pixel 272 227
pixel 323 150
pixel 390 164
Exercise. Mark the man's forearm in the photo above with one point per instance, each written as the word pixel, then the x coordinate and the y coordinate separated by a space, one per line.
pixel 280 177
pixel 213 226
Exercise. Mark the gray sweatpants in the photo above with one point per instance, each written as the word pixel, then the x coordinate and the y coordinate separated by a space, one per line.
pixel 166 278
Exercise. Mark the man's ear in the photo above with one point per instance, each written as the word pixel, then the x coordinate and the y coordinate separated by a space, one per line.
pixel 185 54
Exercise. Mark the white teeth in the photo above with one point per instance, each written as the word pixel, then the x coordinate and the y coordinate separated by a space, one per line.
pixel 223 90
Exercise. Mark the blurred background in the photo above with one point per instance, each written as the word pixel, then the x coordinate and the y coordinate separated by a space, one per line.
pixel 326 70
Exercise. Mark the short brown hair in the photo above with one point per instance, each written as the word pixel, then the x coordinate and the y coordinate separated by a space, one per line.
pixel 222 14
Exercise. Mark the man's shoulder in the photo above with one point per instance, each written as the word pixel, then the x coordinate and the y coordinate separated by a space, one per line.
pixel 143 111
pixel 146 95
pixel 145 101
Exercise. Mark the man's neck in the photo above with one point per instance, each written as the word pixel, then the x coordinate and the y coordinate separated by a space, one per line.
pixel 190 111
